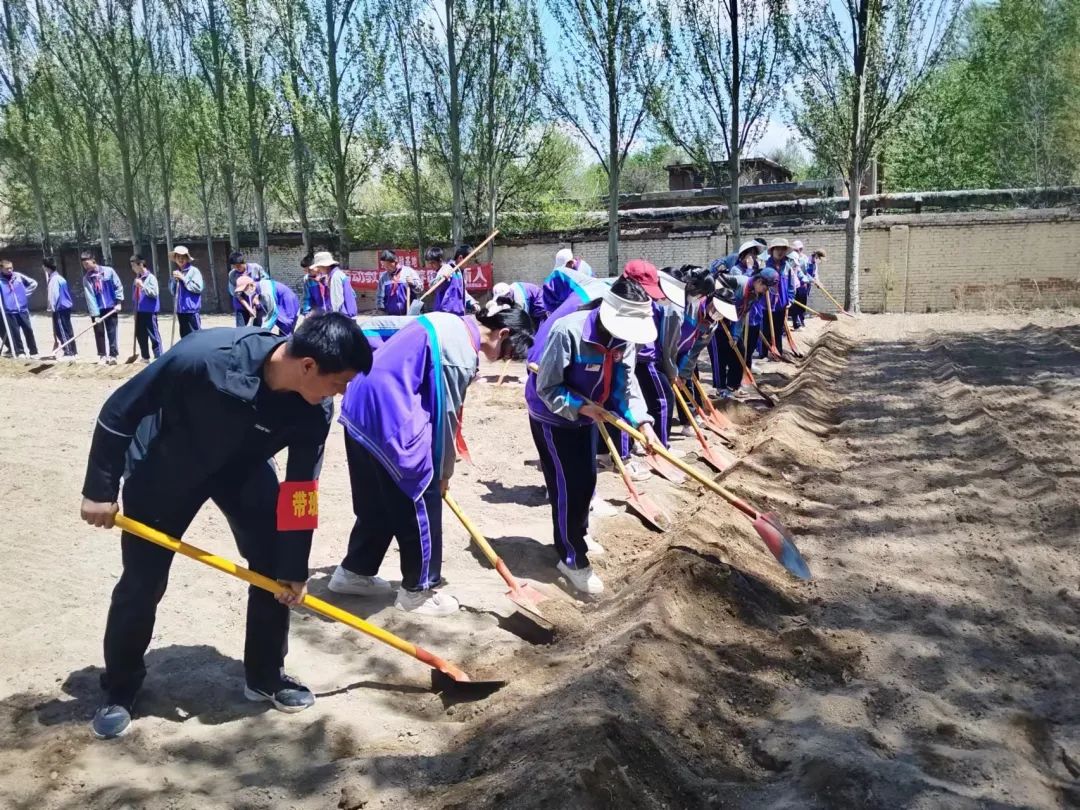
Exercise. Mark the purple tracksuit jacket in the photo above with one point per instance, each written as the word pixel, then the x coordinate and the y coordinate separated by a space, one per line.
pixel 450 296
pixel 405 410
pixel 560 284
pixel 530 297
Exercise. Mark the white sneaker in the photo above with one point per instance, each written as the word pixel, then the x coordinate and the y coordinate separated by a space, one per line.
pixel 426 603
pixel 112 361
pixel 675 451
pixel 598 507
pixel 103 361
pixel 595 549
pixel 34 355
pixel 638 471
pixel 584 580
pixel 688 431
pixel 345 581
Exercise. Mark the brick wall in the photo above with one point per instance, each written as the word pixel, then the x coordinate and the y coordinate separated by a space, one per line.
pixel 916 263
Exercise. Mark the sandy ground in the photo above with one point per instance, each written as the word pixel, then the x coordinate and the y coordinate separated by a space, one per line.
pixel 924 464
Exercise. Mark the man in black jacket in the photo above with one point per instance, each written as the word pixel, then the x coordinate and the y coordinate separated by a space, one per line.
pixel 204 423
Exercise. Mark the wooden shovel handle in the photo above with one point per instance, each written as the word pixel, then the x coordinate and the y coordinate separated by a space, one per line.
pixel 462 263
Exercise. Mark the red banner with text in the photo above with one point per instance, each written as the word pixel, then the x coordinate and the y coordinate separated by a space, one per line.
pixel 478 277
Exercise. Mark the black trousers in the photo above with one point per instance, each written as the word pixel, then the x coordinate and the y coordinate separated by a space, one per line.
pixel 777 332
pixel 189 322
pixel 798 314
pixel 63 332
pixel 250 508
pixel 659 398
pixel 715 347
pixel 568 460
pixel 384 512
pixel 727 365
pixel 19 325
pixel 105 327
pixel 146 333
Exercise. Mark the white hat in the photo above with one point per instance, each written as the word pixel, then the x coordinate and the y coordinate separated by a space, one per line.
pixel 719 308
pixel 500 289
pixel 673 289
pixel 180 250
pixel 563 256
pixel 779 243
pixel 751 245
pixel 631 321
pixel 323 259
pixel 797 244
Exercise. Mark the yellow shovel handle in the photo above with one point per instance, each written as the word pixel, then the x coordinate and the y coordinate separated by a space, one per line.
pixel 260 581
pixel 470 527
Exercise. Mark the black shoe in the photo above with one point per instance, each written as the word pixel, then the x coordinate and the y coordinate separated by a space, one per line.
pixel 110 721
pixel 286 693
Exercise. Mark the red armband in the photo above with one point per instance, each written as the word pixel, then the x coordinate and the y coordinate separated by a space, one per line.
pixel 298 506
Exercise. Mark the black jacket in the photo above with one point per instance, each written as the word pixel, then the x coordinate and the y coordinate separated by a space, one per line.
pixel 201 412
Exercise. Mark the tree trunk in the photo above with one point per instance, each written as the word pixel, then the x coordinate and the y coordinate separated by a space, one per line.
pixel 260 216
pixel 414 158
pixel 204 200
pixel 491 167
pixel 338 158
pixel 854 238
pixel 614 162
pixel 457 180
pixel 300 177
pixel 735 143
pixel 94 153
pixel 39 207
pixel 228 173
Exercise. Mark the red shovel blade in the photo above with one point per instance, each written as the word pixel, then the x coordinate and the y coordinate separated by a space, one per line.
pixel 665 469
pixel 649 512
pixel 777 540
pixel 462 448
pixel 719 460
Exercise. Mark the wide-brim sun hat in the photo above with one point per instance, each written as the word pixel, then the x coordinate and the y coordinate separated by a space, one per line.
pixel 797 244
pixel 779 243
pixel 674 290
pixel 180 250
pixel 563 256
pixel 631 321
pixel 719 308
pixel 500 289
pixel 751 245
pixel 323 259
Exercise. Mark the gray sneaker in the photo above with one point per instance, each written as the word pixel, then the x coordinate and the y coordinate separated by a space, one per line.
pixel 286 693
pixel 111 721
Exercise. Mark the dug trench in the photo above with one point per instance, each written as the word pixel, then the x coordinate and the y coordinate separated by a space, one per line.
pixel 931 663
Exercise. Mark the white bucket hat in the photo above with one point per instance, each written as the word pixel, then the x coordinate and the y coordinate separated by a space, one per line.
pixel 631 321
pixel 563 256
pixel 751 245
pixel 500 289
pixel 719 308
pixel 323 259
pixel 673 289
pixel 779 243
pixel 797 244
pixel 180 250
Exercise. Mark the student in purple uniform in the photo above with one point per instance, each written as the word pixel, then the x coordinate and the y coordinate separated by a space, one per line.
pixel 103 292
pixel 16 289
pixel 186 286
pixel 530 297
pixel 60 306
pixel 745 262
pixel 748 298
pixel 339 287
pixel 450 295
pixel 316 294
pixel 397 287
pixel 144 293
pixel 400 424
pixel 590 351
pixel 565 259
pixel 782 294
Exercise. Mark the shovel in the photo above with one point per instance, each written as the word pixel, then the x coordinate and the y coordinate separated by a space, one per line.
pixel 459 441
pixel 445 677
pixel 135 336
pixel 825 316
pixel 718 462
pixel 769 400
pixel 828 295
pixel 715 421
pixel 773 352
pixel 661 467
pixel 49 363
pixel 522 594
pixel 791 338
pixel 652 514
pixel 417 306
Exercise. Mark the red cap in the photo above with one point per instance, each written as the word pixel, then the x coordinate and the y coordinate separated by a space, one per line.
pixel 645 274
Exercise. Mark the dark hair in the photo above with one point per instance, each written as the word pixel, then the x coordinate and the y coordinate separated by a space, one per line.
pixel 388 256
pixel 306 261
pixel 521 327
pixel 818 254
pixel 334 342
pixel 137 259
pixel 236 257
pixel 697 279
pixel 86 255
pixel 433 254
pixel 624 288
pixel 507 300
pixel 49 262
pixel 461 251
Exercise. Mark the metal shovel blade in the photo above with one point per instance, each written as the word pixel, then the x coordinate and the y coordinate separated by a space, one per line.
pixel 459 689
pixel 777 540
pixel 719 460
pixel 664 468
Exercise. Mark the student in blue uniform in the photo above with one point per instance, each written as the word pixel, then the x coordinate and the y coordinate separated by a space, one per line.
pixel 60 306
pixel 339 286
pixel 16 289
pixel 397 287
pixel 205 423
pixel 240 267
pixel 103 292
pixel 186 286
pixel 147 305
